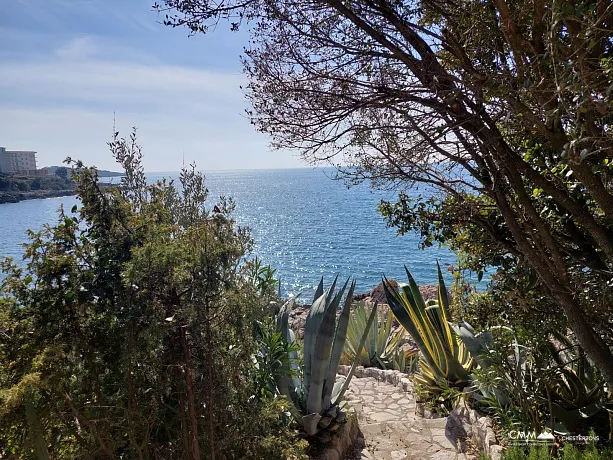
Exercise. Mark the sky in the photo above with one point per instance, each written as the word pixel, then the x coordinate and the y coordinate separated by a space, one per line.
pixel 68 68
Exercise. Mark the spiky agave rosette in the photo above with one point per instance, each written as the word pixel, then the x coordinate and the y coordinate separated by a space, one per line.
pixel 445 360
pixel 313 389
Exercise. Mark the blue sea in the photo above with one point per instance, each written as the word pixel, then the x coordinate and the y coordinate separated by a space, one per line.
pixel 304 223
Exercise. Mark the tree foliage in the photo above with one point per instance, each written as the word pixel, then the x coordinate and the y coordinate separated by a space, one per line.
pixel 129 332
pixel 62 172
pixel 501 108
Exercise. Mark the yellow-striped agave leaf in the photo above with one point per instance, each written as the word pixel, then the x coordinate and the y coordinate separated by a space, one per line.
pixel 443 356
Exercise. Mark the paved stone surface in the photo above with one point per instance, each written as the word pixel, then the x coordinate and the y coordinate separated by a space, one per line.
pixel 391 428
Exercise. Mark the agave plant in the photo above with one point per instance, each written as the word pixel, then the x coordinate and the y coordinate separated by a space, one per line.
pixel 443 356
pixel 382 349
pixel 575 390
pixel 575 396
pixel 476 343
pixel 314 391
pixel 480 345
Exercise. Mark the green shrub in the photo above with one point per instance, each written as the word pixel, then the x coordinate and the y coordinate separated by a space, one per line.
pixel 35 184
pixel 566 452
pixel 53 183
pixel 5 184
pixel 129 334
pixel 530 384
pixel 262 277
pixel 273 359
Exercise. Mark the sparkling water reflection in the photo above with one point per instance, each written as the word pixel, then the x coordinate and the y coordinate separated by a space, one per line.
pixel 304 224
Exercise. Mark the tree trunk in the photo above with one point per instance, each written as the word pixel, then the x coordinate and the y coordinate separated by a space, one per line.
pixel 589 340
pixel 210 365
pixel 191 405
pixel 560 289
pixel 187 450
pixel 35 429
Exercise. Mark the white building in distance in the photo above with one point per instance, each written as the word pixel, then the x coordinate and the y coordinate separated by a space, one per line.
pixel 17 162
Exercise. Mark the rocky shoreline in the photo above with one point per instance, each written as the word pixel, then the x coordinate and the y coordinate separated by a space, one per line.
pixel 16 197
pixel 299 313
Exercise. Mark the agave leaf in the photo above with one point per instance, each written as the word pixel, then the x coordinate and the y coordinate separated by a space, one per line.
pixel 338 346
pixel 371 318
pixel 358 326
pixel 428 324
pixel 414 320
pixel 296 384
pixel 309 423
pixel 355 329
pixel 311 329
pixel 443 301
pixel 475 343
pixel 283 318
pixel 371 344
pixel 381 348
pixel 443 294
pixel 352 341
pixel 336 389
pixel 319 291
pixel 320 358
pixel 286 385
pixel 570 418
pixel 283 380
pixel 383 335
pixel 400 361
pixel 419 300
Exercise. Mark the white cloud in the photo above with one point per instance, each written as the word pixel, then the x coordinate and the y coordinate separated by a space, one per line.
pixel 83 71
pixel 63 106
pixel 79 48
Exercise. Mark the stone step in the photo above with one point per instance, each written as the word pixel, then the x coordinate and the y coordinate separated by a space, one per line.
pixel 391 428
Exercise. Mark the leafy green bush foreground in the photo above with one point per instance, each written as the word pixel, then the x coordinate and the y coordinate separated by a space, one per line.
pixel 130 332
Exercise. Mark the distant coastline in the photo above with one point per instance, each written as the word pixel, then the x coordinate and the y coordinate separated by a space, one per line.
pixel 101 172
pixel 14 189
pixel 16 197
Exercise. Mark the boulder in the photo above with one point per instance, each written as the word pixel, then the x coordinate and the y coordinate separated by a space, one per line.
pixel 378 293
pixel 428 292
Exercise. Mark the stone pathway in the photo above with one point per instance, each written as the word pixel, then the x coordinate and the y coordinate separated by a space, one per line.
pixel 391 428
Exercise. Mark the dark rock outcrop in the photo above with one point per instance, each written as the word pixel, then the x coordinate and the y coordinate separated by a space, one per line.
pixel 428 292
pixel 378 293
pixel 15 197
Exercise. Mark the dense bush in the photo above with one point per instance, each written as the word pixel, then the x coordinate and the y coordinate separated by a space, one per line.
pixel 129 334
pixel 5 183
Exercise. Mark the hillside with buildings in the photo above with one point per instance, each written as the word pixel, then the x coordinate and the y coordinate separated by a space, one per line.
pixel 20 179
pixel 21 162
